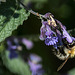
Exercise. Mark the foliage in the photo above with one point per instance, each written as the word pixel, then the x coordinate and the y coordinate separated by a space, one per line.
pixel 11 16
pixel 16 65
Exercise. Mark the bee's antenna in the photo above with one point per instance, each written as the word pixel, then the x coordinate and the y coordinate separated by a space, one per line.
pixel 63 63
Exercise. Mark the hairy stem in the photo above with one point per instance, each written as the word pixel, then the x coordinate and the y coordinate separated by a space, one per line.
pixel 31 11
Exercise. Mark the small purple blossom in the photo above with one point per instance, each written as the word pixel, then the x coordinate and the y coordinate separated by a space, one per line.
pixel 43 30
pixel 47 34
pixel 35 67
pixel 51 40
pixel 67 36
pixel 13 54
pixel 59 35
pixel 27 43
pixel 12 48
pixel 65 33
pixel 35 58
pixel 47 15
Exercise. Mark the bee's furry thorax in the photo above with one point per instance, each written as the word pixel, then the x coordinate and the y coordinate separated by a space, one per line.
pixel 64 52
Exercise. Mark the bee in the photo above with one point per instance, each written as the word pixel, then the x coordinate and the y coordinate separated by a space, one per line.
pixel 64 53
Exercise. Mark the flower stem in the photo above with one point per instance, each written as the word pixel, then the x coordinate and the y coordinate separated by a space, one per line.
pixel 31 11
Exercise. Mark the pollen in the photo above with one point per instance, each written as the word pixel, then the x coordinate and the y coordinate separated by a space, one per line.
pixel 69 52
pixel 53 21
pixel 49 22
pixel 73 51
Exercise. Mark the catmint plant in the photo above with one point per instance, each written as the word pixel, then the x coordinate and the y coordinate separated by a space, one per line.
pixel 54 33
pixel 18 53
pixel 33 60
pixel 13 45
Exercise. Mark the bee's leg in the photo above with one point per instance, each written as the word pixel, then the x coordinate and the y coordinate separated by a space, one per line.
pixel 63 63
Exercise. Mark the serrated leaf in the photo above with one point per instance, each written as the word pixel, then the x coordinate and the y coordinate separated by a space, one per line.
pixel 15 65
pixel 11 16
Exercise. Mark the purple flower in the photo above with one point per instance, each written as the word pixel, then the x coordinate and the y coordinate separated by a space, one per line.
pixel 13 45
pixel 51 40
pixel 35 67
pixel 67 36
pixel 59 35
pixel 13 54
pixel 35 58
pixel 27 43
pixel 47 34
pixel 47 15
pixel 43 30
pixel 12 48
pixel 65 33
pixel 53 32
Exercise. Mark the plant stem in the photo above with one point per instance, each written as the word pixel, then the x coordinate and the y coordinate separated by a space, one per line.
pixel 31 11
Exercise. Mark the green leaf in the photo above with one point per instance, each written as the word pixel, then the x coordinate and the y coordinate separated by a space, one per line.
pixel 11 16
pixel 2 47
pixel 71 72
pixel 15 65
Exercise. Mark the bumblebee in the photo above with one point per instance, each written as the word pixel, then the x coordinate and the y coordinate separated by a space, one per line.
pixel 65 52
